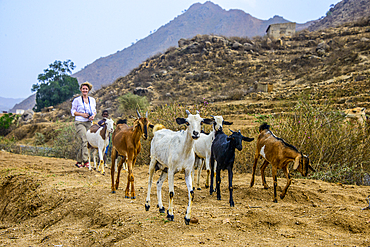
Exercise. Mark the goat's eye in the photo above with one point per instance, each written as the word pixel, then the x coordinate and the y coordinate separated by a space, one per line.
pixel 187 123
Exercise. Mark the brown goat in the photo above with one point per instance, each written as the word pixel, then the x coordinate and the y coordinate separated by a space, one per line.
pixel 276 151
pixel 126 143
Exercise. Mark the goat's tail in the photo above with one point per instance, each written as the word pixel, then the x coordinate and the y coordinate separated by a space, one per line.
pixel 158 127
pixel 264 126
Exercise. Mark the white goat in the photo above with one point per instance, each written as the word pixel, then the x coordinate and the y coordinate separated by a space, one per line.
pixel 172 152
pixel 98 139
pixel 202 148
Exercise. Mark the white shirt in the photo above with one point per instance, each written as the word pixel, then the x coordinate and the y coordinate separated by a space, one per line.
pixel 78 105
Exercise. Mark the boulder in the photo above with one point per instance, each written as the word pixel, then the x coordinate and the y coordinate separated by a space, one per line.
pixel 141 91
pixel 27 116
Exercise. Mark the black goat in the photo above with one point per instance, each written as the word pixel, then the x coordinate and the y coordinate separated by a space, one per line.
pixel 223 152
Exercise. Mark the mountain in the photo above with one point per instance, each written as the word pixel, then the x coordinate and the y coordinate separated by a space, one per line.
pixel 26 104
pixel 207 18
pixel 7 103
pixel 343 12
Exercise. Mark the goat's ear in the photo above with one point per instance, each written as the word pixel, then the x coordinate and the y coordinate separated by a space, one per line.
pixel 208 121
pixel 181 120
pixel 227 123
pixel 296 162
pixel 151 126
pixel 247 139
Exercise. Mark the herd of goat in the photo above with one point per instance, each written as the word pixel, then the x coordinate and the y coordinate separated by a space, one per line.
pixel 185 150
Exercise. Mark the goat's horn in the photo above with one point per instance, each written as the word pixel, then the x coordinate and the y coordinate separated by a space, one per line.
pixel 197 112
pixel 231 131
pixel 212 116
pixel 146 114
pixel 239 131
pixel 138 114
pixel 188 112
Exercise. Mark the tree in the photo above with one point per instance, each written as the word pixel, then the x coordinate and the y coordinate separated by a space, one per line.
pixel 55 86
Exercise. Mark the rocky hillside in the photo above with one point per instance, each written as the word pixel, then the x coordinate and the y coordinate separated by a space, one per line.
pixel 207 18
pixel 343 12
pixel 329 65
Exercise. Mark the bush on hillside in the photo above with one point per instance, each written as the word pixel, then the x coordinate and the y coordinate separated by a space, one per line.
pixel 130 102
pixel 339 151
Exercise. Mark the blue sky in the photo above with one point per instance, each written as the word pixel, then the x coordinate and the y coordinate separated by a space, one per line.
pixel 33 34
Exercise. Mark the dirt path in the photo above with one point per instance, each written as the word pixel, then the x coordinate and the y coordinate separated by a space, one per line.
pixel 49 202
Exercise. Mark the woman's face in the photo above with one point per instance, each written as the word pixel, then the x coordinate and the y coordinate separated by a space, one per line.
pixel 84 90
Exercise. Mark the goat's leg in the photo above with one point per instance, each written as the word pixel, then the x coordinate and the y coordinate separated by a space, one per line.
pixel 254 168
pixel 101 161
pixel 218 183
pixel 171 174
pixel 132 181
pixel 288 182
pixel 274 176
pixel 119 168
pixel 230 172
pixel 206 161
pixel 112 170
pixel 263 167
pixel 130 178
pixel 188 181
pixel 195 166
pixel 214 168
pixel 160 181
pixel 89 157
pixel 94 160
pixel 199 173
pixel 212 163
pixel 150 181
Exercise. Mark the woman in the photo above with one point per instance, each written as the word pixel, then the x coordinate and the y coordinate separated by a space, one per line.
pixel 84 110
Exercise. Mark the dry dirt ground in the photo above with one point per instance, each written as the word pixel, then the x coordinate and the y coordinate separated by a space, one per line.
pixel 50 202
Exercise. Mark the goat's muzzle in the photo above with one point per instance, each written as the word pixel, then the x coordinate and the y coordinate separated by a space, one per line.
pixel 195 135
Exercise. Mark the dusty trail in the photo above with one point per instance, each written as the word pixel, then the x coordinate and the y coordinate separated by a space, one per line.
pixel 49 202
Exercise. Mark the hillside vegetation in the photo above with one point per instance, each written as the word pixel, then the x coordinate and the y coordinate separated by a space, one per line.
pixel 313 75
pixel 328 65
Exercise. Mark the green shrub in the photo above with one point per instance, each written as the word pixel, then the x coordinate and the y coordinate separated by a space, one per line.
pixel 130 102
pixel 6 122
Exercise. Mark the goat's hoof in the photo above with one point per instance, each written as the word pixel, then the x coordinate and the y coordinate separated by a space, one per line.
pixel 103 173
pixel 113 191
pixel 162 210
pixel 186 221
pixel 133 197
pixel 232 204
pixel 127 197
pixel 275 201
pixel 219 198
pixel 147 207
pixel 199 189
pixel 282 196
pixel 169 217
pixel 207 186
